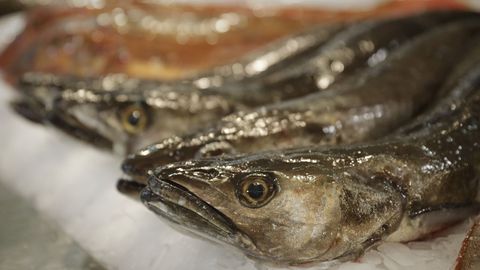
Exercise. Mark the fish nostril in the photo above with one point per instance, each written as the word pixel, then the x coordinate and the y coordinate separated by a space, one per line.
pixel 206 173
pixel 129 167
pixel 212 153
pixel 215 149
pixel 126 166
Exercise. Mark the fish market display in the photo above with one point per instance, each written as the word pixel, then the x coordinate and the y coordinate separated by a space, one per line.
pixel 364 106
pixel 331 204
pixel 297 136
pixel 469 256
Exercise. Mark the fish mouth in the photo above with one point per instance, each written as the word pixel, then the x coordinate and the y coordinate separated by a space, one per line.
pixel 71 126
pixel 136 176
pixel 188 212
pixel 37 112
pixel 136 168
pixel 30 110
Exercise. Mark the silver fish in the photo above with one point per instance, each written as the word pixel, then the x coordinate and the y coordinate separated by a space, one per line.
pixel 362 107
pixel 331 204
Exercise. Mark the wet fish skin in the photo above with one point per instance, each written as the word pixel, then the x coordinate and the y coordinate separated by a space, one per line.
pixel 268 60
pixel 330 204
pixel 358 46
pixel 362 107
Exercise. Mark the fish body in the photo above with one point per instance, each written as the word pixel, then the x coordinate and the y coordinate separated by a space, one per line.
pixel 355 47
pixel 327 204
pixel 364 106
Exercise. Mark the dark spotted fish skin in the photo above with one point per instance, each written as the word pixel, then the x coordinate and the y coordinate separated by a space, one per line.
pixel 363 107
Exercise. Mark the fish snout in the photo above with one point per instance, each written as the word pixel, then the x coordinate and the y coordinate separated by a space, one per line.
pixel 172 151
pixel 29 109
pixel 135 165
pixel 193 172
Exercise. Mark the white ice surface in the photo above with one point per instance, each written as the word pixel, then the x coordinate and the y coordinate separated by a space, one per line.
pixel 74 185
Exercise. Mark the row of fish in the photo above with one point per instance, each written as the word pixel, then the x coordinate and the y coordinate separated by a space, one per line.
pixel 311 149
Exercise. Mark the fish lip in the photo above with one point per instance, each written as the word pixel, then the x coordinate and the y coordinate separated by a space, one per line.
pixel 74 128
pixel 194 215
pixel 38 114
pixel 132 169
pixel 38 110
pixel 29 109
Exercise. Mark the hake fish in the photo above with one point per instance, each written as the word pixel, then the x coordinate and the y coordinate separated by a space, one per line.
pixel 331 204
pixel 362 107
pixel 133 113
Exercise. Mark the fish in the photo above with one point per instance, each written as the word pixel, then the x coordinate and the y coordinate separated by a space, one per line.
pixel 365 106
pixel 132 113
pixel 468 257
pixel 331 204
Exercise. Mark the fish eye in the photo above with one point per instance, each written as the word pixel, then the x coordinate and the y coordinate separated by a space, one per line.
pixel 256 190
pixel 134 118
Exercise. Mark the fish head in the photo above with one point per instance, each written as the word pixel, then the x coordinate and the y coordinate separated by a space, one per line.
pixel 172 149
pixel 104 119
pixel 275 210
pixel 240 132
pixel 127 115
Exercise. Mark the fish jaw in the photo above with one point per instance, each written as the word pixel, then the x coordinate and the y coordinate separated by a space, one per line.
pixel 29 109
pixel 35 111
pixel 57 101
pixel 182 208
